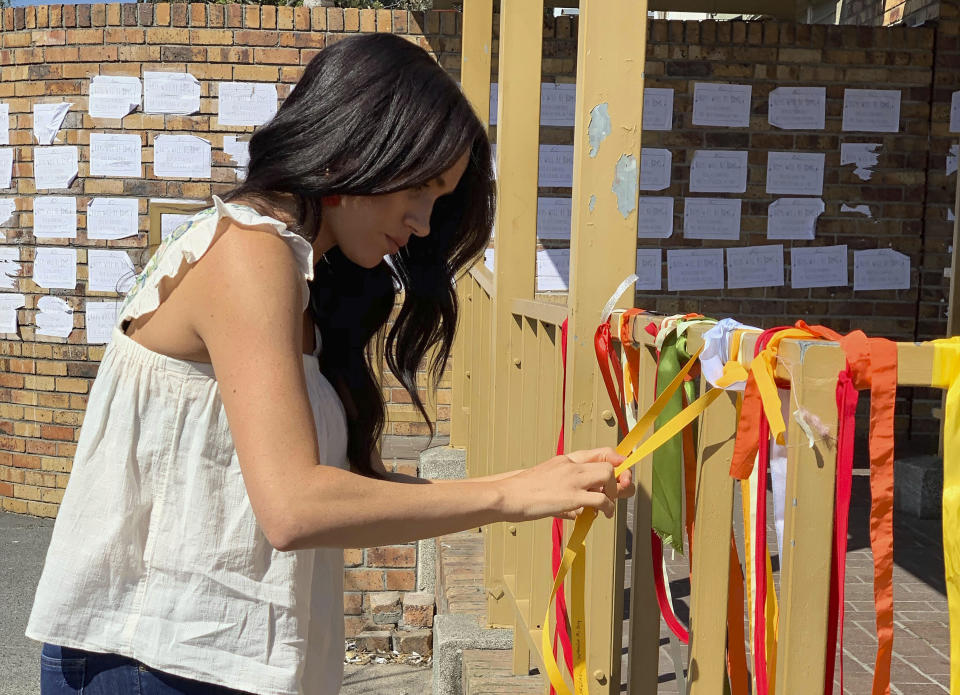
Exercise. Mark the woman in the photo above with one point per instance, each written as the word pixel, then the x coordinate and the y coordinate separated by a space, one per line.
pixel 198 548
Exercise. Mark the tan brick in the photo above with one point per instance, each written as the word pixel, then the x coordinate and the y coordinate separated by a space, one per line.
pixel 257 38
pixel 43 509
pixel 276 56
pixel 353 557
pixel 69 385
pixel 284 18
pixel 268 16
pixel 50 37
pixel 198 14
pixel 401 580
pixel 78 36
pixel 368 21
pixel 392 556
pixel 159 35
pixel 215 37
pixel 255 73
pixel 363 580
pixel 161 14
pixel 38 383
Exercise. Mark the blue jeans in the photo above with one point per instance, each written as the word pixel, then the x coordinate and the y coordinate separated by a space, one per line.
pixel 67 671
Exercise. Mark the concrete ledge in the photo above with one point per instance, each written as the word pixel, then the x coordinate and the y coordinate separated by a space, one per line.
pixel 451 635
pixel 438 463
pixel 918 486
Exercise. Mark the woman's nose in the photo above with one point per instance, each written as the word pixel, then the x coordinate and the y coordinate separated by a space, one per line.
pixel 419 222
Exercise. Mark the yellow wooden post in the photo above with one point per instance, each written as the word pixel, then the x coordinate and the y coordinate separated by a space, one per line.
pixel 610 64
pixel 808 518
pixel 518 134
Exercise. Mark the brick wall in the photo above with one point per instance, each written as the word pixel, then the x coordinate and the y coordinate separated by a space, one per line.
pixel 888 12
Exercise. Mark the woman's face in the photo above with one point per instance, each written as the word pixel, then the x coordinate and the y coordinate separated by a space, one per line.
pixel 367 228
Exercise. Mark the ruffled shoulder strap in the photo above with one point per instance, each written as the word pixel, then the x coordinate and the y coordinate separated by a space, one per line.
pixel 187 244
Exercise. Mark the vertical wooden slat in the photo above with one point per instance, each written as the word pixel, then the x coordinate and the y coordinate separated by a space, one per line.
pixel 463 344
pixel 808 521
pixel 475 55
pixel 610 64
pixel 518 134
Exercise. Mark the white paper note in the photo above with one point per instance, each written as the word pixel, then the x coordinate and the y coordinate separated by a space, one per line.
pixel 109 271
pixel 719 171
pixel 246 103
pixel 9 267
pixel 553 218
pixel 721 104
pixel 54 317
pixel 55 166
pixel 694 269
pixel 55 268
pixel 793 218
pixel 657 108
pixel 711 218
pixel 818 266
pixel 169 223
pixel 553 270
pixel 955 112
pixel 55 217
pixel 795 173
pixel 655 217
pixel 881 269
pixel 755 266
pixel 857 209
pixel 112 218
pixel 8 206
pixel 649 269
pixel 952 159
pixel 655 167
pixel 4 123
pixel 871 110
pixel 863 155
pixel 239 152
pixel 555 166
pixel 6 167
pixel 170 92
pixel 181 157
pixel 798 108
pixel 9 303
pixel 558 104
pixel 488 259
pixel 116 155
pixel 101 318
pixel 114 96
pixel 47 119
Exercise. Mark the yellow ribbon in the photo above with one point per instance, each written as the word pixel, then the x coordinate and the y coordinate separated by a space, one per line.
pixel 574 554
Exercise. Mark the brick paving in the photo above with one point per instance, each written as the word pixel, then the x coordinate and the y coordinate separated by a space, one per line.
pixel 921 635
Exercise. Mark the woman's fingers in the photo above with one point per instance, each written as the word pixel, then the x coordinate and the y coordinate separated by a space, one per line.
pixel 603 454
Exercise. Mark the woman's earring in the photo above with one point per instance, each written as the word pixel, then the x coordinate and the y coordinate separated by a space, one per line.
pixel 331 201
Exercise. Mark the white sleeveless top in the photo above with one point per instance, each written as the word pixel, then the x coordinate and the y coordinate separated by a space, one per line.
pixel 156 554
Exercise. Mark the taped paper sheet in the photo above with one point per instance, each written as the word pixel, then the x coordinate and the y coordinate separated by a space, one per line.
pixel 795 173
pixel 181 157
pixel 655 166
pixel 109 271
pixel 818 266
pixel 112 218
pixel 239 152
pixel 881 269
pixel 871 110
pixel 955 113
pixel 55 268
pixel 863 155
pixel 718 171
pixel 114 96
pixel 553 270
pixel 54 317
pixel 553 218
pixel 657 108
pixel 8 206
pixel 952 159
pixel 170 92
pixel 246 103
pixel 694 269
pixel 113 154
pixel 798 108
pixel 755 266
pixel 4 123
pixel 101 317
pixel 794 218
pixel 55 166
pixel 55 217
pixel 711 218
pixel 649 269
pixel 47 119
pixel 655 217
pixel 721 104
pixel 558 104
pixel 9 303
pixel 555 166
pixel 6 167
pixel 9 267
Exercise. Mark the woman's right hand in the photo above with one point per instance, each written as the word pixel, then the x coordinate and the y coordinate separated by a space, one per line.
pixel 563 485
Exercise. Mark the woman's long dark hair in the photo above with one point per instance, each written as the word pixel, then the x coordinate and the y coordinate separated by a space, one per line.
pixel 375 114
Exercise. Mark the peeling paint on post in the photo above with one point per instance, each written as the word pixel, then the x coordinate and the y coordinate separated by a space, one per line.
pixel 625 183
pixel 599 127
pixel 593 203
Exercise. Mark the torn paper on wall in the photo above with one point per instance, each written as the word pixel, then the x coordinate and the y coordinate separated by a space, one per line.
pixel 8 206
pixel 863 155
pixel 115 154
pixel 657 108
pixel 55 166
pixel 114 96
pixel 246 103
pixel 951 217
pixel 112 218
pixel 655 217
pixel 55 217
pixel 649 269
pixel 54 317
pixel 952 159
pixel 239 152
pixel 47 119
pixel 170 92
pixel 9 303
pixel 881 269
pixel 100 318
pixel 655 166
pixel 955 112
pixel 4 124
pixel 857 209
pixel 6 167
pixel 488 259
pixel 55 268
pixel 181 157
pixel 798 108
pixel 109 271
pixel 793 218
pixel 9 267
